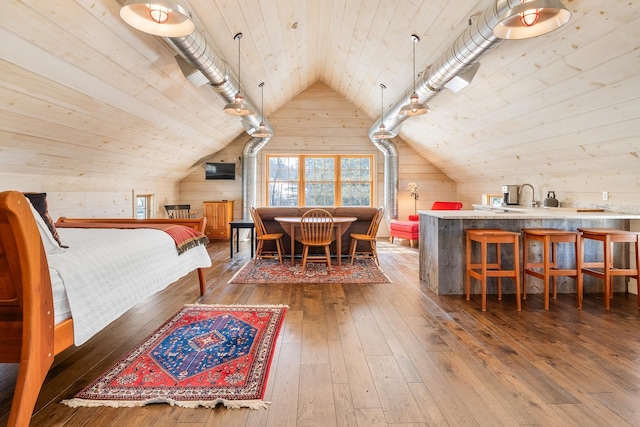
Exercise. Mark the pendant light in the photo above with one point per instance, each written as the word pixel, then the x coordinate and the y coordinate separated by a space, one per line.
pixel 382 132
pixel 414 107
pixel 238 107
pixel 262 131
pixel 531 19
pixel 164 18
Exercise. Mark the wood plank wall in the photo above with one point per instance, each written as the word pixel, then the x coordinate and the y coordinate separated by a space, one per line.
pixel 320 121
pixel 93 197
pixel 577 191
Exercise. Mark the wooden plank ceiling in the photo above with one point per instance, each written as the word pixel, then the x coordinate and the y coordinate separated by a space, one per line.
pixel 83 94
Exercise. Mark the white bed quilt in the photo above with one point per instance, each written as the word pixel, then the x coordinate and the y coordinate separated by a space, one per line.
pixel 105 272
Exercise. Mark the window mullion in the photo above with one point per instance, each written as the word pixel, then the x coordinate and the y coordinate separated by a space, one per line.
pixel 302 177
pixel 337 180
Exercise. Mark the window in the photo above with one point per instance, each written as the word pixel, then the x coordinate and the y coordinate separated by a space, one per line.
pixel 340 180
pixel 356 181
pixel 143 206
pixel 319 181
pixel 283 181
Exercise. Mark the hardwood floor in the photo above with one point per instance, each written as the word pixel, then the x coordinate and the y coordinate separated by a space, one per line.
pixel 386 355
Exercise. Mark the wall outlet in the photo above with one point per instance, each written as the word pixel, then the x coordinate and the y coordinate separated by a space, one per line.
pixel 605 195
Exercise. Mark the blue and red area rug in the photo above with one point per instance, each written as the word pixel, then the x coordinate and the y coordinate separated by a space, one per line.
pixel 362 271
pixel 205 355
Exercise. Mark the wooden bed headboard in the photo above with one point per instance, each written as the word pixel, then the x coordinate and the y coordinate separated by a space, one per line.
pixel 26 302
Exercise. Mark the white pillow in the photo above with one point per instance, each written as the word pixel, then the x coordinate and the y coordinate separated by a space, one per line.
pixel 50 244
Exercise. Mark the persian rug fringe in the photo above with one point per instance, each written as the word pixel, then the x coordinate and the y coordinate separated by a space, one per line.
pixel 269 271
pixel 197 304
pixel 210 404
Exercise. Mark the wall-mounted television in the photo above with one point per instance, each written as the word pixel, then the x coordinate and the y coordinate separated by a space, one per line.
pixel 219 170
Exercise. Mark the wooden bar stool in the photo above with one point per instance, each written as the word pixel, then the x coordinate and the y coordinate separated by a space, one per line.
pixel 485 268
pixel 605 269
pixel 548 267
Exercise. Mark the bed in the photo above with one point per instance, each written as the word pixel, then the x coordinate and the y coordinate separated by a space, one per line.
pixel 52 298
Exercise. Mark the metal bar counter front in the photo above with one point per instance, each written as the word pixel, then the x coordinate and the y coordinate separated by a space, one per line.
pixel 442 241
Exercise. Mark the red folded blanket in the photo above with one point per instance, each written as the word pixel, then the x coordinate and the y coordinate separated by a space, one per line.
pixel 184 237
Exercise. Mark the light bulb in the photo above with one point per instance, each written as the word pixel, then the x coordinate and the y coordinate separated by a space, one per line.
pixel 239 101
pixel 159 14
pixel 529 17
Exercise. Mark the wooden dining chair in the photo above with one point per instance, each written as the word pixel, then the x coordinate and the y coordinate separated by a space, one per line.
pixel 316 226
pixel 178 211
pixel 262 236
pixel 370 237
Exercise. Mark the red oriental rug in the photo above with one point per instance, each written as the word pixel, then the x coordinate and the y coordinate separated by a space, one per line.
pixel 362 271
pixel 205 355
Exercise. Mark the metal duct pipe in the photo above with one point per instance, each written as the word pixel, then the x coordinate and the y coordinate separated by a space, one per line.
pixel 391 165
pixel 195 50
pixel 477 40
pixel 249 178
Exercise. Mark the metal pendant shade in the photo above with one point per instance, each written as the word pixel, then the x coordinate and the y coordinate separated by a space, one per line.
pixel 382 132
pixel 414 107
pixel 164 18
pixel 531 19
pixel 262 131
pixel 238 106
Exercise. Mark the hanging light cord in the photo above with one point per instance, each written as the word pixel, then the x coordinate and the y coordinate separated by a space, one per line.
pixel 414 65
pixel 239 37
pixel 382 88
pixel 262 100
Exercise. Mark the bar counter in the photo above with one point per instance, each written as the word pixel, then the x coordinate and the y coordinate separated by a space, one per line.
pixel 442 242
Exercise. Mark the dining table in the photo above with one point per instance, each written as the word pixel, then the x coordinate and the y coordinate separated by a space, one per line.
pixel 291 226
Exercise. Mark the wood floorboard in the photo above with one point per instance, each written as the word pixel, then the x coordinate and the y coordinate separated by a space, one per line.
pixel 345 412
pixel 428 406
pixel 316 403
pixel 363 392
pixel 358 355
pixel 397 401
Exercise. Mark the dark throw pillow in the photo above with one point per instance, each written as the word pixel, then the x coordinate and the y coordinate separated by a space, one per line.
pixel 39 202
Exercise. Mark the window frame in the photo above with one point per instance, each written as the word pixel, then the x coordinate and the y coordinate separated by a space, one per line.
pixel 337 181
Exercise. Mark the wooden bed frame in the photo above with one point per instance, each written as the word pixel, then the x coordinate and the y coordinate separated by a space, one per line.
pixel 27 331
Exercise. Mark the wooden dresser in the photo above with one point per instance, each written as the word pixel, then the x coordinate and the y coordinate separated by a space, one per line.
pixel 218 214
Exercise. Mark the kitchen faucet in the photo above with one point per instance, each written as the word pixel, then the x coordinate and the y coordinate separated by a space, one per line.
pixel 533 194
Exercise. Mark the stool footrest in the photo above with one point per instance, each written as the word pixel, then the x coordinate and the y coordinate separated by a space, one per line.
pixel 490 266
pixel 552 272
pixel 613 271
pixel 493 273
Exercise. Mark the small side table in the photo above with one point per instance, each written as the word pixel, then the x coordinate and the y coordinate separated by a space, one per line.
pixel 236 225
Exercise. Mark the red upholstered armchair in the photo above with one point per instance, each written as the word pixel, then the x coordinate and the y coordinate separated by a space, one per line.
pixel 411 229
pixel 446 206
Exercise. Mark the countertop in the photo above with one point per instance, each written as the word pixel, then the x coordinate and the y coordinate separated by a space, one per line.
pixel 521 212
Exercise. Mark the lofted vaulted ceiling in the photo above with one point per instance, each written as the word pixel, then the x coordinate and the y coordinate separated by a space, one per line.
pixel 84 94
